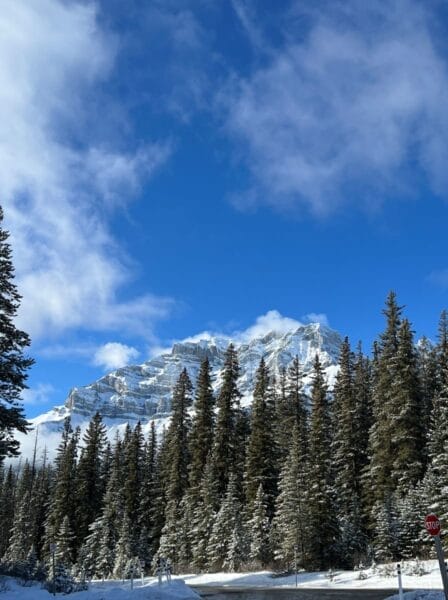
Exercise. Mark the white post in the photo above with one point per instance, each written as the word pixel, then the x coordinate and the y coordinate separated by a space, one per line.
pixel 159 575
pixel 400 583
pixel 442 566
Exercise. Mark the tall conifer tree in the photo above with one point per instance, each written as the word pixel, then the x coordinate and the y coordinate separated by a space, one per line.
pixel 13 362
pixel 223 451
pixel 323 544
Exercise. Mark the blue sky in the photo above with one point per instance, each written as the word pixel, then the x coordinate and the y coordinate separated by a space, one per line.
pixel 173 166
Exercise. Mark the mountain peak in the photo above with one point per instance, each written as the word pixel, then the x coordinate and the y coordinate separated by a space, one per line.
pixel 144 391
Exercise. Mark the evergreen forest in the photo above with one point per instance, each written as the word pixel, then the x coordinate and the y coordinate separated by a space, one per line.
pixel 334 478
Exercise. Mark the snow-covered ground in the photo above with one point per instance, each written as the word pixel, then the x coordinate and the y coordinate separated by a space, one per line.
pixel 110 590
pixel 383 576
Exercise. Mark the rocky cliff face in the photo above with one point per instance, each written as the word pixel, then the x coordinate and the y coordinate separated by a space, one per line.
pixel 144 390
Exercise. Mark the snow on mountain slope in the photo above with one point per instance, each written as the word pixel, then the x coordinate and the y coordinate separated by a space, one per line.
pixel 142 392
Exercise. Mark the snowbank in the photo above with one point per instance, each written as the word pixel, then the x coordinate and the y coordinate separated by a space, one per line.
pixel 176 590
pixel 382 576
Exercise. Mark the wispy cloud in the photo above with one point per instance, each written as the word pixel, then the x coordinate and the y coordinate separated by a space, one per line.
pixel 316 318
pixel 439 277
pixel 114 355
pixel 56 181
pixel 348 110
pixel 42 393
pixel 248 21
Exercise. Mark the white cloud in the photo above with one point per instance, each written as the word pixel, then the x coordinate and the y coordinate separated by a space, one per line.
pixel 316 318
pixel 40 394
pixel 271 321
pixel 351 109
pixel 52 55
pixel 114 355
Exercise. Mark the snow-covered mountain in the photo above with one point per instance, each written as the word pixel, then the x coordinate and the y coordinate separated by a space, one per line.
pixel 142 392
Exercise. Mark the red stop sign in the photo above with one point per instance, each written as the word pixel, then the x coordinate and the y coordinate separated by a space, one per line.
pixel 432 524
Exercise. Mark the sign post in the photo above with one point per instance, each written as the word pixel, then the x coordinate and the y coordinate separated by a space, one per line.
pixel 432 525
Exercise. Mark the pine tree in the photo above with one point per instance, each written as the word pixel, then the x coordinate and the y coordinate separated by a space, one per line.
pixel 64 489
pixel 201 436
pixel 344 450
pixel 323 543
pixel 20 540
pixel 39 502
pixel 296 411
pixel 223 452
pixel 346 464
pixel 259 528
pixel 261 450
pixel 203 519
pixel 380 437
pixel 90 484
pixel 123 552
pixel 7 503
pixel 177 437
pixel 65 542
pixel 411 510
pixel 176 467
pixel 437 447
pixel 13 363
pixel 363 416
pixel 132 466
pixel 407 415
pixel 386 534
pixel 428 376
pixel 291 520
pixel 148 499
pixel 228 545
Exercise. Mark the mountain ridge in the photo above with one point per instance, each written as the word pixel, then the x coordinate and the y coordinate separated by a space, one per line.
pixel 142 392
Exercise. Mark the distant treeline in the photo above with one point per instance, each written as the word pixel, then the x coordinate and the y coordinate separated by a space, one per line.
pixel 338 480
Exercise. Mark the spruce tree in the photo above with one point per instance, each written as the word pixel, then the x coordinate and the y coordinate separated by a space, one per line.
pixel 65 543
pixel 259 530
pixel 381 433
pixel 123 550
pixel 7 504
pixel 291 520
pixel 386 534
pixel 407 416
pixel 148 500
pixel 177 457
pixel 203 519
pixel 223 452
pixel 20 540
pixel 323 544
pixel 347 450
pixel 228 544
pixel 261 450
pixel 437 446
pixel 90 484
pixel 177 439
pixel 63 497
pixel 201 436
pixel 13 362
